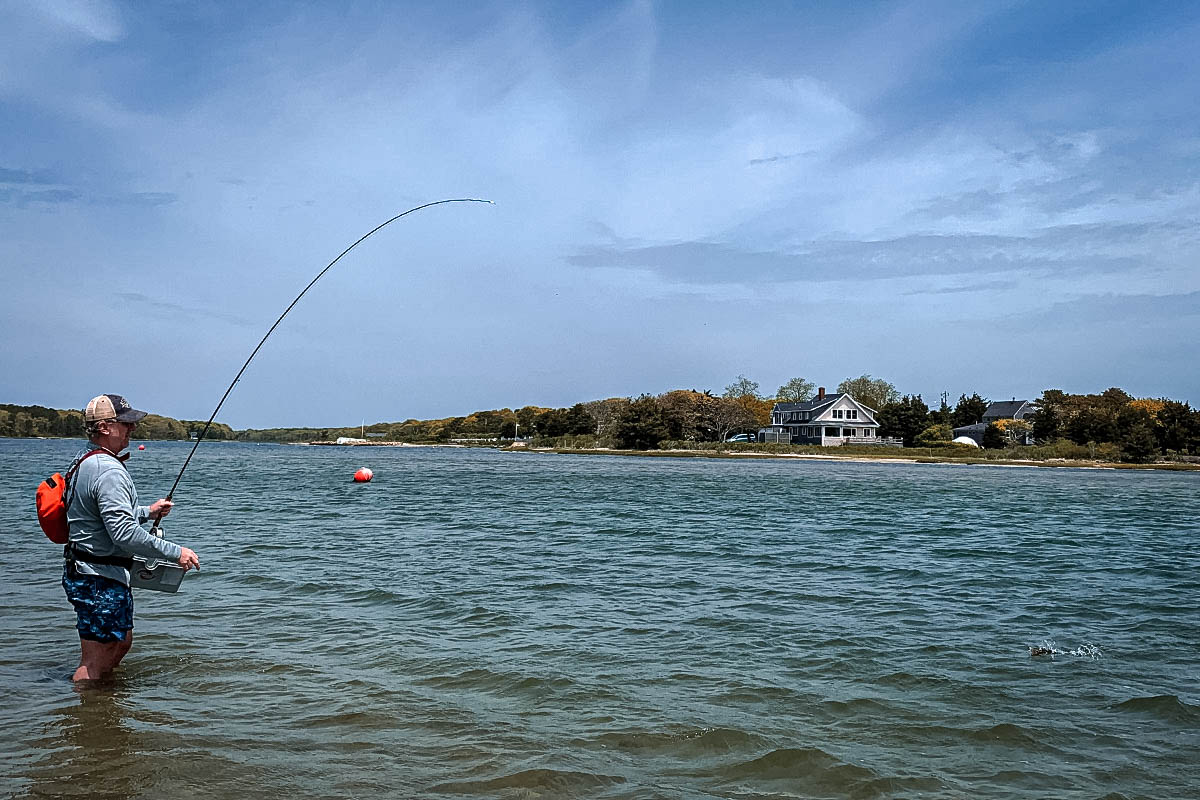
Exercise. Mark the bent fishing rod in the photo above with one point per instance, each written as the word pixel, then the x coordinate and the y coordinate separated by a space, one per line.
pixel 238 377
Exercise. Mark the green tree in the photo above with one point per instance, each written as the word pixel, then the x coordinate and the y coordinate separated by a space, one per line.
pixel 525 417
pixel 1046 424
pixel 1095 423
pixel 875 393
pixel 797 390
pixel 944 415
pixel 934 436
pixel 994 438
pixel 968 410
pixel 551 422
pixel 640 425
pixel 742 387
pixel 1138 443
pixel 579 421
pixel 686 414
pixel 904 418
pixel 1179 427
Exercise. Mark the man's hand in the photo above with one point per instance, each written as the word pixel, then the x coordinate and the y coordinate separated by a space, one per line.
pixel 188 559
pixel 160 508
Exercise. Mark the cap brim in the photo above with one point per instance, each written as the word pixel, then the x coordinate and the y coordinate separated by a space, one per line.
pixel 130 415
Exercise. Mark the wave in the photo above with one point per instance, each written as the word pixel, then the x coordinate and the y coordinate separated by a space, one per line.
pixel 560 783
pixel 499 682
pixel 1163 706
pixel 820 769
pixel 689 742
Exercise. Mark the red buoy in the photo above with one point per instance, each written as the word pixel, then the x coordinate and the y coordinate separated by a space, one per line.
pixel 141 447
pixel 363 475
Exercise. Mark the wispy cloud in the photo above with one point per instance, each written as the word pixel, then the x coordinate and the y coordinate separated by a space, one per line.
pixel 986 286
pixel 96 19
pixel 1118 311
pixel 1062 251
pixel 28 176
pixel 22 197
pixel 166 309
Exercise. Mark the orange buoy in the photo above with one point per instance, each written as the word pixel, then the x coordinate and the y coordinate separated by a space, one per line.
pixel 363 475
pixel 141 447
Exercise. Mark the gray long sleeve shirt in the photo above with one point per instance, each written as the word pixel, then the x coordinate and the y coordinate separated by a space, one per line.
pixel 104 518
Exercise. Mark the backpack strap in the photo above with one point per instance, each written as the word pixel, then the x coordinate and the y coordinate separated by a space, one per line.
pixel 72 553
pixel 83 458
pixel 69 485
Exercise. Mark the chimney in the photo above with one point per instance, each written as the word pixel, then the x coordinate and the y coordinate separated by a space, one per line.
pixel 821 393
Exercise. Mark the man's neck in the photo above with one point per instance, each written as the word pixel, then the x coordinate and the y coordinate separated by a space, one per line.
pixel 106 445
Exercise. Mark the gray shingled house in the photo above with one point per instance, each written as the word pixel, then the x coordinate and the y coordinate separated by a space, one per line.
pixel 1001 409
pixel 827 420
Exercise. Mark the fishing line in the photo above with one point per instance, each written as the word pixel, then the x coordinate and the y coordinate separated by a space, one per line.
pixel 238 377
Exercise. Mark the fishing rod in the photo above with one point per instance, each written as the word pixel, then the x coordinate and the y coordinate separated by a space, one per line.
pixel 207 425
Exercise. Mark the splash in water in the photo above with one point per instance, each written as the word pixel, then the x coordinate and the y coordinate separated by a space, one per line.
pixel 1049 648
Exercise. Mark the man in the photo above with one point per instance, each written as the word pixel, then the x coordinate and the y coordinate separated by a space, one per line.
pixel 104 516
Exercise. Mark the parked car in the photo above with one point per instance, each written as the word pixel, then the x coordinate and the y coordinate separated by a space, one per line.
pixel 742 437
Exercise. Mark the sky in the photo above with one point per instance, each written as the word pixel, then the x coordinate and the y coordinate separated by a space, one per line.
pixel 956 197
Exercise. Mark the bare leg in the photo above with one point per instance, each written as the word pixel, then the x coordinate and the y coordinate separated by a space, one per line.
pixel 97 659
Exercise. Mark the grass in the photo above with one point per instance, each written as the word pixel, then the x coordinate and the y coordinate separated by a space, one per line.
pixel 1057 455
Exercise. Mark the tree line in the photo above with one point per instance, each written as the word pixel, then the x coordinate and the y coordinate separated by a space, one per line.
pixel 1110 425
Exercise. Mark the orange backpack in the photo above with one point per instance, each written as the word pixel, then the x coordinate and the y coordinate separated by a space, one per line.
pixel 51 505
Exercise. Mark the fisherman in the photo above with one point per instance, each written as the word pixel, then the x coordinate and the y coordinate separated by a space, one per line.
pixel 104 518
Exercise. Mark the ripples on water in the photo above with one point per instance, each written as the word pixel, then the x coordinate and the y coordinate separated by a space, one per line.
pixel 485 624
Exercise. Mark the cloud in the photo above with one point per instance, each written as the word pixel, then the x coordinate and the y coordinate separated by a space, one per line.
pixel 95 19
pixel 25 198
pixel 146 199
pixel 174 311
pixel 33 176
pixel 1067 250
pixel 1126 311
pixel 987 286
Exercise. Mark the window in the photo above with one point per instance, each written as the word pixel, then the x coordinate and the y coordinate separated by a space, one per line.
pixel 837 413
pixel 833 432
pixel 852 414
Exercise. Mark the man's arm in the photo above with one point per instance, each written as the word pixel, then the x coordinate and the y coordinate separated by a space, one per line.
pixel 114 497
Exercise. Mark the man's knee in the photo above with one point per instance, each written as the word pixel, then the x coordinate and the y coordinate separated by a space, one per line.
pixel 124 645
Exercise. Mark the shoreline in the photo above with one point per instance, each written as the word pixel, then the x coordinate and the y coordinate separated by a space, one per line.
pixel 905 458
pixel 900 459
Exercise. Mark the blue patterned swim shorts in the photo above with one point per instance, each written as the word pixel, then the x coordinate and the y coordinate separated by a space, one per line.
pixel 104 606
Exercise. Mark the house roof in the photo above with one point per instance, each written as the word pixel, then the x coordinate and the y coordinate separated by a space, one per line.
pixel 978 427
pixel 817 407
pixel 1005 409
pixel 808 405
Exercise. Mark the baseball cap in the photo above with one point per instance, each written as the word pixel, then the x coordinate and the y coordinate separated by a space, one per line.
pixel 111 406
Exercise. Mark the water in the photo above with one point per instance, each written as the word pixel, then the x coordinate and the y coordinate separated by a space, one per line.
pixel 506 625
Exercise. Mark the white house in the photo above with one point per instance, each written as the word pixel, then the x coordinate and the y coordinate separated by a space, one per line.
pixel 827 420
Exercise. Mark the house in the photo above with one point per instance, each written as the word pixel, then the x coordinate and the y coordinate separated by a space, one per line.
pixel 1008 409
pixel 1001 409
pixel 827 420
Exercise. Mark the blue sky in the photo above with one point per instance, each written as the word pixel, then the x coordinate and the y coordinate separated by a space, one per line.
pixel 956 197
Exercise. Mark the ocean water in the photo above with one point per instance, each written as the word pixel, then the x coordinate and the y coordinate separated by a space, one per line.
pixel 509 625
